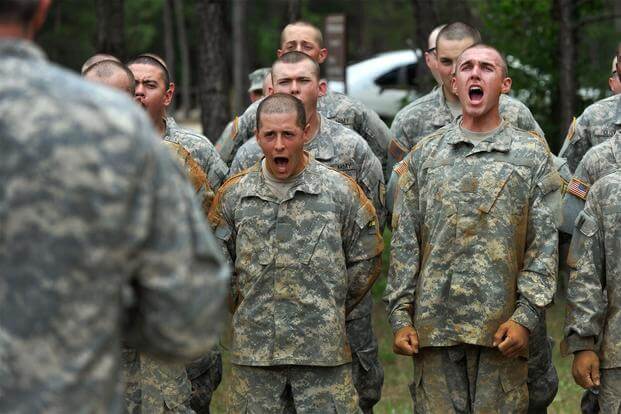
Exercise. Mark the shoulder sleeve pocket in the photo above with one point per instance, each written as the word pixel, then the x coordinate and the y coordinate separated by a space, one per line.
pixel 586 224
pixel 223 232
pixel 550 182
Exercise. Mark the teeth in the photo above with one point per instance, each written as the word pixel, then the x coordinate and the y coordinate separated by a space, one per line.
pixel 476 89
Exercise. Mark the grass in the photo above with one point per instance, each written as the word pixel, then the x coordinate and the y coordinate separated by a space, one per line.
pixel 398 369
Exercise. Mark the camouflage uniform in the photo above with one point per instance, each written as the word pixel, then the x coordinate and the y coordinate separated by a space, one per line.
pixel 226 137
pixel 154 386
pixel 99 227
pixel 474 244
pixel 593 296
pixel 430 113
pixel 599 161
pixel 597 124
pixel 334 106
pixel 342 149
pixel 298 262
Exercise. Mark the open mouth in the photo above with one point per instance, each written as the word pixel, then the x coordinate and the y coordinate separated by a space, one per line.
pixel 475 93
pixel 281 163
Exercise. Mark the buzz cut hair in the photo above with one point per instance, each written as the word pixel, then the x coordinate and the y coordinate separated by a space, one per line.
pixel 282 103
pixel 93 60
pixel 153 60
pixel 105 69
pixel 21 11
pixel 297 57
pixel 503 60
pixel 318 34
pixel 459 31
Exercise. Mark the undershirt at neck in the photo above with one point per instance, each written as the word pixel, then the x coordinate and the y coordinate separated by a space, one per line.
pixel 476 137
pixel 279 187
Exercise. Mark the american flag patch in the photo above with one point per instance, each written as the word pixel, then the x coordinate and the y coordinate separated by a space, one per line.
pixel 578 188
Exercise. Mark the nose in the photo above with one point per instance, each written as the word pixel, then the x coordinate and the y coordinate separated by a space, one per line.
pixel 279 144
pixel 295 88
pixel 139 90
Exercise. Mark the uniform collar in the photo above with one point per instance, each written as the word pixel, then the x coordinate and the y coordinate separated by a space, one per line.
pixel 617 118
pixel 20 48
pixel 171 129
pixel 498 142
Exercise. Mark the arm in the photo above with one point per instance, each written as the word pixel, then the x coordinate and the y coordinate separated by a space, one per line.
pixel 180 278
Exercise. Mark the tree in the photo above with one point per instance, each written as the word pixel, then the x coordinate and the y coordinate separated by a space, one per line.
pixel 110 27
pixel 567 61
pixel 213 80
pixel 426 20
pixel 240 50
pixel 184 54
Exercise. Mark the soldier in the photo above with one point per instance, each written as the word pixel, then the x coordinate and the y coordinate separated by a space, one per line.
pixel 441 106
pixel 101 236
pixel 474 250
pixel 306 38
pixel 598 122
pixel 342 149
pixel 151 381
pixel 259 80
pixel 614 82
pixel 592 322
pixel 306 248
pixel 96 59
pixel 599 161
pixel 113 74
pixel 431 57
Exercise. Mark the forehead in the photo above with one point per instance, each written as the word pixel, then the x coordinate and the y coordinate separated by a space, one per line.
pixel 300 33
pixel 482 55
pixel 281 70
pixel 144 71
pixel 278 120
pixel 453 48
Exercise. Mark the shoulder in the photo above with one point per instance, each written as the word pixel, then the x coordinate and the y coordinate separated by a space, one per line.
pixel 604 107
pixel 608 186
pixel 340 183
pixel 418 105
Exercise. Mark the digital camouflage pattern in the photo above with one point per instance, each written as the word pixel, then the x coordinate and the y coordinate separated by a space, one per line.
pixel 337 147
pixel 334 106
pixel 226 139
pixel 301 390
pixel 201 150
pixel 597 124
pixel 593 320
pixel 429 113
pixel 154 386
pixel 298 264
pixel 599 161
pixel 100 227
pixel 610 390
pixel 473 243
pixel 469 379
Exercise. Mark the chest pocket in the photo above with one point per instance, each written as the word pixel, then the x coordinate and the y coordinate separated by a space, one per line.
pixel 255 226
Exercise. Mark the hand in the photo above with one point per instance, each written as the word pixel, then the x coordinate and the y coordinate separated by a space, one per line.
pixel 511 338
pixel 585 369
pixel 405 341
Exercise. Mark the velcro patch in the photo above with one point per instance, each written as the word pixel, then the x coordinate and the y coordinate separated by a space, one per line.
pixel 401 168
pixel 578 188
pixel 397 150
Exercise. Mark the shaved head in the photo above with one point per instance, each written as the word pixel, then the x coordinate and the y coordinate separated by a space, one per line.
pixel 96 59
pixel 297 57
pixel 282 103
pixel 458 31
pixel 300 23
pixel 112 73
pixel 501 59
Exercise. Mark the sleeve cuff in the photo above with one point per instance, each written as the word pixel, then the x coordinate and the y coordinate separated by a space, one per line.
pixel 400 319
pixel 575 343
pixel 526 317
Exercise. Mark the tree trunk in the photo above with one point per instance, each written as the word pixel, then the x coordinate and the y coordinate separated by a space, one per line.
pixel 213 80
pixel 240 65
pixel 184 54
pixel 567 62
pixel 295 10
pixel 425 20
pixel 169 39
pixel 110 27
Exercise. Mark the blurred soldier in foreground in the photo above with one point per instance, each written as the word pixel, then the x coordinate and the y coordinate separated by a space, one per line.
pixel 152 385
pixel 597 123
pixel 474 250
pixel 259 81
pixel 592 324
pixel 112 73
pixel 101 236
pixel 306 38
pixel 306 248
pixel 334 145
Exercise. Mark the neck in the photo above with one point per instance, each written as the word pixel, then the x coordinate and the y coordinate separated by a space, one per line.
pixel 449 96
pixel 313 124
pixel 487 122
pixel 160 126
pixel 13 30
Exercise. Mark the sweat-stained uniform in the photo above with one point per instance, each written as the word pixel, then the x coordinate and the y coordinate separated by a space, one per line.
pixel 299 263
pixel 473 246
